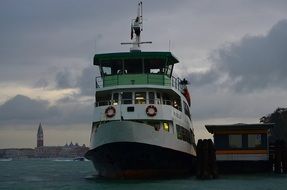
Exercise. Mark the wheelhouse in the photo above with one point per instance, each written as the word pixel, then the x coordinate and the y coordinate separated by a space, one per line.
pixel 136 68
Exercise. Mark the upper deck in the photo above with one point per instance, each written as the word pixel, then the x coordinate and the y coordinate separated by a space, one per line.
pixel 136 68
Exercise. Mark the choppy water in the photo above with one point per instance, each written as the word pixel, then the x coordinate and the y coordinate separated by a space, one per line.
pixel 50 174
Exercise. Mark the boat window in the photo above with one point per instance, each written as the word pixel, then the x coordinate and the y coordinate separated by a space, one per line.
pixel 168 70
pixel 133 66
pixel 155 70
pixel 166 99
pixel 115 98
pixel 177 104
pixel 154 65
pixel 111 67
pixel 186 110
pixel 183 134
pixel 106 71
pixel 103 99
pixel 127 98
pixel 151 97
pixel 235 141
pixel 140 97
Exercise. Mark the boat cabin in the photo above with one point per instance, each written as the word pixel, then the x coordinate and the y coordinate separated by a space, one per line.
pixel 241 146
pixel 136 68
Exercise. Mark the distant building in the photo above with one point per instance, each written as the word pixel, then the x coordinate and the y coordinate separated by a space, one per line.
pixel 41 151
pixel 66 151
pixel 40 136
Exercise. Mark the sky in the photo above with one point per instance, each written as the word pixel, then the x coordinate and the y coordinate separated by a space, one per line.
pixel 234 53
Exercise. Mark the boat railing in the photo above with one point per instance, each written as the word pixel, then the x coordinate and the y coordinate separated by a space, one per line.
pixel 132 101
pixel 138 79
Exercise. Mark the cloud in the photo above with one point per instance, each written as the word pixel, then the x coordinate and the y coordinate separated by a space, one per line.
pixel 64 79
pixel 41 83
pixel 86 81
pixel 255 63
pixel 21 110
pixel 24 109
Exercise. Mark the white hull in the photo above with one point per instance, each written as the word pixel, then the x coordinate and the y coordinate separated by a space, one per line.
pixel 128 131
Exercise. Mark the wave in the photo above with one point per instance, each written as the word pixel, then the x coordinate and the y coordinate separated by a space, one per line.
pixel 5 159
pixel 63 160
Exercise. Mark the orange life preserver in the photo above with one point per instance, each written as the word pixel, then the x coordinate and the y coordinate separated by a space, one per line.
pixel 110 111
pixel 151 110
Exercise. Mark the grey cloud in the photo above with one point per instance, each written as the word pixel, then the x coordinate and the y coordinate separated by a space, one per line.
pixel 24 109
pixel 86 82
pixel 64 79
pixel 257 62
pixel 41 83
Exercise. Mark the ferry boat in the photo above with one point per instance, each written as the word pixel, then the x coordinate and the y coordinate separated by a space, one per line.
pixel 142 125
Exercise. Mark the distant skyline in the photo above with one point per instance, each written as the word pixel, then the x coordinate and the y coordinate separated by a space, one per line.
pixel 233 52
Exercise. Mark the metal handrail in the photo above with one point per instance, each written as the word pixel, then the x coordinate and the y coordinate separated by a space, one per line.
pixel 174 82
pixel 110 102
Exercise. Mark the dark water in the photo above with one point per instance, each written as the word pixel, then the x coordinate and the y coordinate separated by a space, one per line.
pixel 49 174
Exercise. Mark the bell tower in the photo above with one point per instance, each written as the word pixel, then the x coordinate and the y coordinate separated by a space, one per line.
pixel 40 136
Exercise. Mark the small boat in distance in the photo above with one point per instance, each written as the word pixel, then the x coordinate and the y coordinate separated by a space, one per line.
pixel 142 125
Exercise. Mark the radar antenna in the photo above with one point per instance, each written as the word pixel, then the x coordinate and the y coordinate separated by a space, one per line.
pixel 137 28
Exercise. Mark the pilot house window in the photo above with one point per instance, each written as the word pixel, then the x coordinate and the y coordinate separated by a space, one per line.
pixel 133 66
pixel 140 97
pixel 127 98
pixel 151 97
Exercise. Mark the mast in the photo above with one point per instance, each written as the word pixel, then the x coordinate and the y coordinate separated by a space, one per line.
pixel 137 28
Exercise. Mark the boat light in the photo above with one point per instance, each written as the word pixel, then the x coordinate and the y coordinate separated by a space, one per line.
pixel 165 126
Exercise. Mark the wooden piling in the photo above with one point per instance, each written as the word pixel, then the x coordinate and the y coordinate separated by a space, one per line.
pixel 206 159
pixel 199 158
pixel 212 159
pixel 283 157
pixel 277 158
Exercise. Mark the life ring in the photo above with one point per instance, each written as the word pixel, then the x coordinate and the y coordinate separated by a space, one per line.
pixel 151 110
pixel 110 111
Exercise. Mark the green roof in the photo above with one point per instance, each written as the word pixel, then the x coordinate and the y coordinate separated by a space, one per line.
pixel 135 55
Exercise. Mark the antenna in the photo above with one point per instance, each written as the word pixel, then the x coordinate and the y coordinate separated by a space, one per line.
pixel 137 28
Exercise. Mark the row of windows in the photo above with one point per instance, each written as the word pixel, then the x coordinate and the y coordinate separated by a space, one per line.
pixel 166 126
pixel 184 134
pixel 138 98
pixel 135 66
pixel 237 141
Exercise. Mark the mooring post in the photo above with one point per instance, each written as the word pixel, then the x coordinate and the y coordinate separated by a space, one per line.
pixel 212 159
pixel 277 159
pixel 199 158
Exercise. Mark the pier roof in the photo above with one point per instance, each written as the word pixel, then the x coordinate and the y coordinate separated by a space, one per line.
pixel 238 126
